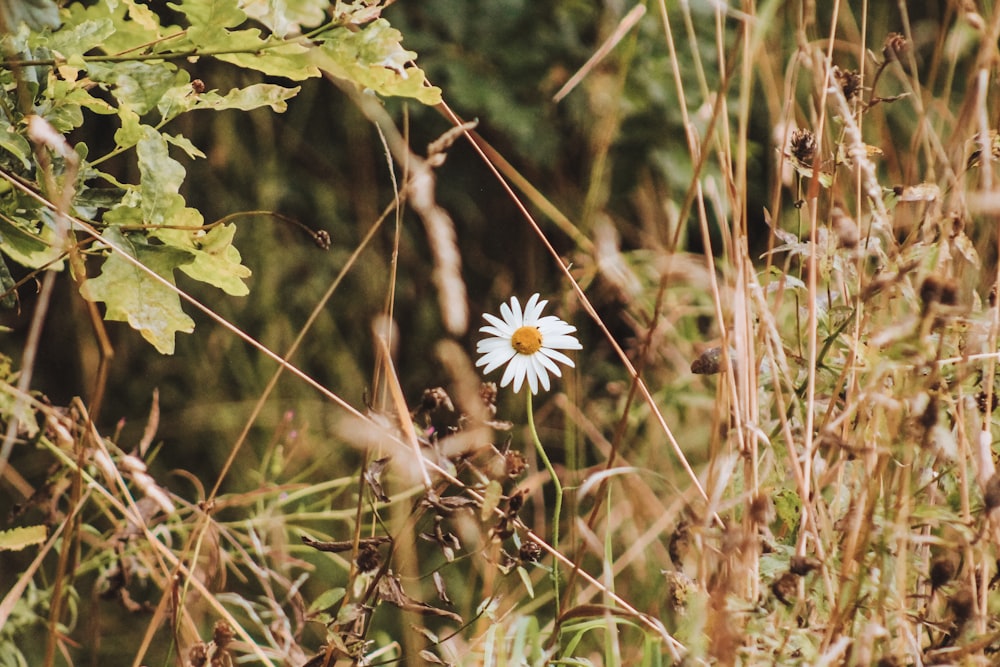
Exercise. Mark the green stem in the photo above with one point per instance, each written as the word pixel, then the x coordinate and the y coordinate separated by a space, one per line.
pixel 557 485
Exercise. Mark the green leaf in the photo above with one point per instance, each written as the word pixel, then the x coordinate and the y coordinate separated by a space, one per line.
pixel 16 539
pixel 375 59
pixel 130 132
pixel 20 241
pixel 284 17
pixel 210 20
pixel 14 143
pixel 132 295
pixel 214 260
pixel 160 172
pixel 37 14
pixel 8 297
pixel 135 25
pixel 275 58
pixel 82 37
pixel 185 145
pixel 251 97
pixel 139 84
pixel 217 262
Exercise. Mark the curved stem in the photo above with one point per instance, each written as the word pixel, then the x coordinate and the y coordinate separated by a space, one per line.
pixel 557 510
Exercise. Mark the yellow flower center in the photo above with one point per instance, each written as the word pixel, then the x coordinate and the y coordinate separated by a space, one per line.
pixel 526 340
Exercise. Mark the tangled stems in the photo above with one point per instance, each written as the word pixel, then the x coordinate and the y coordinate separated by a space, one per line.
pixel 557 510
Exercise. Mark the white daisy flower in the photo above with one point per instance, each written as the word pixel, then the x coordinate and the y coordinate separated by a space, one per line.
pixel 527 343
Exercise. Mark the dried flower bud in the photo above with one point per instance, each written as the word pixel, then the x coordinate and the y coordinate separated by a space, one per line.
pixel 514 464
pixel 516 502
pixel 849 82
pixel 962 604
pixel 198 655
pixel 368 559
pixel 803 146
pixel 894 47
pixel 709 363
pixel 943 569
pixel 991 494
pixel 981 402
pixel 803 565
pixel 784 588
pixel 222 634
pixel 679 544
pixel 929 417
pixel 529 552
pixel 321 238
pixel 939 290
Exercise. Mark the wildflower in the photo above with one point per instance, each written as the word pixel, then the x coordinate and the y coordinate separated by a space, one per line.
pixel 803 145
pixel 527 342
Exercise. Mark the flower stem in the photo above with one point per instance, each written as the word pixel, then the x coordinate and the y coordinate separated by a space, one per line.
pixel 557 510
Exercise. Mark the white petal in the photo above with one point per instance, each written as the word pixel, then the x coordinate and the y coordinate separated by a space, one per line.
pixel 512 313
pixel 548 364
pixel 557 356
pixel 515 371
pixel 533 310
pixel 499 324
pixel 494 331
pixel 490 344
pixel 561 342
pixel 532 375
pixel 554 326
pixel 539 372
pixel 495 359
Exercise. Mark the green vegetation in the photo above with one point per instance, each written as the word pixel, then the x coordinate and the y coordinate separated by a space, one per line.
pixel 245 249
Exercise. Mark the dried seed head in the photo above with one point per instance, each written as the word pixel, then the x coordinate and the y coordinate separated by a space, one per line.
pixel 369 559
pixel 962 604
pixel 849 82
pixel 679 544
pixel 894 47
pixel 803 565
pixel 943 569
pixel 529 552
pixel 991 494
pixel 321 238
pixel 709 363
pixel 784 588
pixel 981 402
pixel 929 417
pixel 680 587
pixel 939 290
pixel 516 502
pixel 198 655
pixel 514 463
pixel 488 395
pixel 222 634
pixel 803 146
